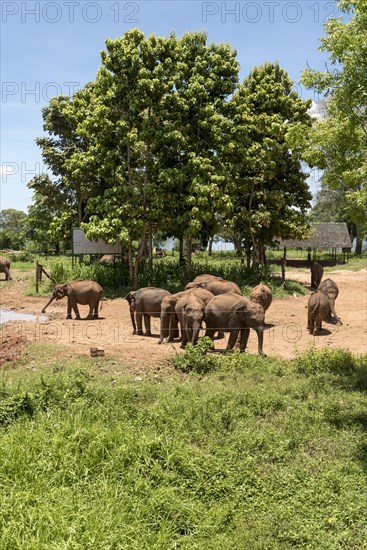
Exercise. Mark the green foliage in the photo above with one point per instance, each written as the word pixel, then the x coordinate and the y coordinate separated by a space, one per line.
pixel 12 228
pixel 252 454
pixel 338 143
pixel 270 195
pixel 196 359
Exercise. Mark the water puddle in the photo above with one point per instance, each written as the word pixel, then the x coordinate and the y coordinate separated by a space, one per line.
pixel 12 315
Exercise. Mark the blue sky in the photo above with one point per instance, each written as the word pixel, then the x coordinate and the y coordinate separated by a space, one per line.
pixel 52 47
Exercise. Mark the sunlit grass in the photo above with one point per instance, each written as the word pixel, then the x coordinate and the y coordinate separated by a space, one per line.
pixel 248 452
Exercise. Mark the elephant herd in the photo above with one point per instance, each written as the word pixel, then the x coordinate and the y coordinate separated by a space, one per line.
pixel 210 299
pixel 207 298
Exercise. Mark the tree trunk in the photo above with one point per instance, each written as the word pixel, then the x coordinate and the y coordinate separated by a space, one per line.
pixel 150 247
pixel 358 246
pixel 181 260
pixel 189 257
pixel 210 246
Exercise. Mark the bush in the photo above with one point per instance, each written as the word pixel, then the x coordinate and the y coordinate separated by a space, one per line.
pixel 196 359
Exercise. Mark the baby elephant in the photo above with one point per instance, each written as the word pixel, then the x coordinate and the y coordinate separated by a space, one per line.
pixel 5 268
pixel 145 303
pixel 330 288
pixel 79 292
pixel 317 272
pixel 262 295
pixel 318 311
pixel 236 315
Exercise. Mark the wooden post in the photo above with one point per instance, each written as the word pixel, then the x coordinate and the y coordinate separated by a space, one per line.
pixel 283 263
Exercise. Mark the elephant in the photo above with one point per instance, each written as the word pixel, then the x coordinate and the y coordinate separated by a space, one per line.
pixel 79 292
pixel 107 259
pixel 318 310
pixel 317 272
pixel 206 276
pixel 261 294
pixel 216 286
pixel 235 314
pixel 190 312
pixel 331 289
pixel 145 302
pixel 5 268
pixel 168 309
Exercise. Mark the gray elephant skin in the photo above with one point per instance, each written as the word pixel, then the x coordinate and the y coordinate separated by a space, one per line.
pixel 330 288
pixel 168 309
pixel 236 315
pixel 5 268
pixel 261 294
pixel 146 303
pixel 215 286
pixel 81 292
pixel 190 311
pixel 317 272
pixel 318 310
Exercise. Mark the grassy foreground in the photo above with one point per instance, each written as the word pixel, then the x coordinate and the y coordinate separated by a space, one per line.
pixel 214 452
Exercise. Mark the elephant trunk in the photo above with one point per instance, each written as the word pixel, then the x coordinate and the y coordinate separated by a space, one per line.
pixel 195 333
pixel 132 316
pixel 165 322
pixel 48 303
pixel 260 336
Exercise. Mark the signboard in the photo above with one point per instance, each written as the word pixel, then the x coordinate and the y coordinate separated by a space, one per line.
pixel 82 245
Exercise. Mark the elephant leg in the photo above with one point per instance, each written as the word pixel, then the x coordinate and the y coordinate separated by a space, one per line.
pixel 68 314
pixel 174 332
pixel 245 333
pixel 233 338
pixel 74 305
pixel 338 320
pixel 91 309
pixel 147 324
pixel 220 334
pixel 139 322
pixel 95 315
pixel 209 332
pixel 7 275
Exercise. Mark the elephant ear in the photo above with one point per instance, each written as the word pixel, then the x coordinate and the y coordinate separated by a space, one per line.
pixel 130 297
pixel 59 291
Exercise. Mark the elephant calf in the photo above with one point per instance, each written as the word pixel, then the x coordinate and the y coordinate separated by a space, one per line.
pixel 236 315
pixel 79 292
pixel 331 290
pixel 168 312
pixel 318 310
pixel 190 311
pixel 5 268
pixel 262 295
pixel 145 302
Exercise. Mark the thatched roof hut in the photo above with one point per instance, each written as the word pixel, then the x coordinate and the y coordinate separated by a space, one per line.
pixel 324 236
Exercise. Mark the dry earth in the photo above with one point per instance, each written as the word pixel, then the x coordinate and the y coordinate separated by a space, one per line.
pixel 286 333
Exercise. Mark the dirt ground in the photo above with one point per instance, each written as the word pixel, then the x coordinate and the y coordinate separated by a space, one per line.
pixel 285 336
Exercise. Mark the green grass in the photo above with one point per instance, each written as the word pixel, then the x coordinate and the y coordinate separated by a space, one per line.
pixel 239 451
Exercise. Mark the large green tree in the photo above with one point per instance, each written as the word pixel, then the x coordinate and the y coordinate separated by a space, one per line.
pixel 339 140
pixel 270 194
pixel 12 228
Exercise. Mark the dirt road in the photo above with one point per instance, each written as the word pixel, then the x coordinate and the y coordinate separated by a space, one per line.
pixel 286 334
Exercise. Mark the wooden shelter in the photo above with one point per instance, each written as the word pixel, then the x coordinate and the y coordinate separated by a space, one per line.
pixel 324 237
